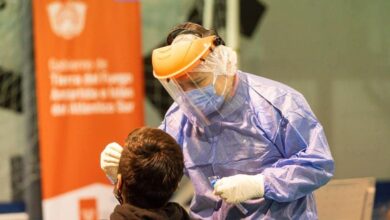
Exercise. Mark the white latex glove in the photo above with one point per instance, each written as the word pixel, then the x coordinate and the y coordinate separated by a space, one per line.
pixel 109 160
pixel 239 188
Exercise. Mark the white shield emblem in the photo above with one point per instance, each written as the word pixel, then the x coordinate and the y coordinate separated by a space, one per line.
pixel 67 19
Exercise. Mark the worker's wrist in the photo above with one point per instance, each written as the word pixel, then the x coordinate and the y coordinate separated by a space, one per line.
pixel 259 179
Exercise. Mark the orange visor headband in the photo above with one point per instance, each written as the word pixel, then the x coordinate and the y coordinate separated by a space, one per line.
pixel 177 59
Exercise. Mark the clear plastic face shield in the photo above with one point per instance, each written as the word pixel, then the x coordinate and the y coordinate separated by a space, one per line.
pixel 202 79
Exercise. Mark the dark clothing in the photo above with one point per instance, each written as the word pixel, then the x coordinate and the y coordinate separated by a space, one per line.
pixel 171 211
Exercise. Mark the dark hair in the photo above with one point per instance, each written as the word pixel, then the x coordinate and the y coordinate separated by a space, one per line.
pixel 191 28
pixel 151 166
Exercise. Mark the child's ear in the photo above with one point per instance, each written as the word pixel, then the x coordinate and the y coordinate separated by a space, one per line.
pixel 119 181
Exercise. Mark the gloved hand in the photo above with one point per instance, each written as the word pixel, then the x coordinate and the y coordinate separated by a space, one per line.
pixel 109 160
pixel 239 188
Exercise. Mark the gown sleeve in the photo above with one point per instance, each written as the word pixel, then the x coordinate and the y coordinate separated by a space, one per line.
pixel 306 162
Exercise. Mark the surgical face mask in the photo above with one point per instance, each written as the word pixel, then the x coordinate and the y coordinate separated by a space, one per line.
pixel 205 99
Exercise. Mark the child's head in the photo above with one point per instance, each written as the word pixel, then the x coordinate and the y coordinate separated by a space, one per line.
pixel 150 168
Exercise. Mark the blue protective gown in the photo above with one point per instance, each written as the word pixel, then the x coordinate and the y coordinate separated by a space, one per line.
pixel 271 131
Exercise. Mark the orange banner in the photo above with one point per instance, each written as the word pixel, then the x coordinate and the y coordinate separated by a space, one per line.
pixel 89 91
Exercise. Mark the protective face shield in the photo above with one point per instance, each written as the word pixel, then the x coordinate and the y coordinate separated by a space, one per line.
pixel 199 74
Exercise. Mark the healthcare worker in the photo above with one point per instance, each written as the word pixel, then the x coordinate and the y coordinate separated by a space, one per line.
pixel 259 136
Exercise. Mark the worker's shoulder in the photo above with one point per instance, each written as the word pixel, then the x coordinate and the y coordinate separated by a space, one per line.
pixel 171 122
pixel 266 93
pixel 266 84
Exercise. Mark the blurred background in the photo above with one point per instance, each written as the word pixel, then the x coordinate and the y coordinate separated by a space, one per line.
pixel 336 53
